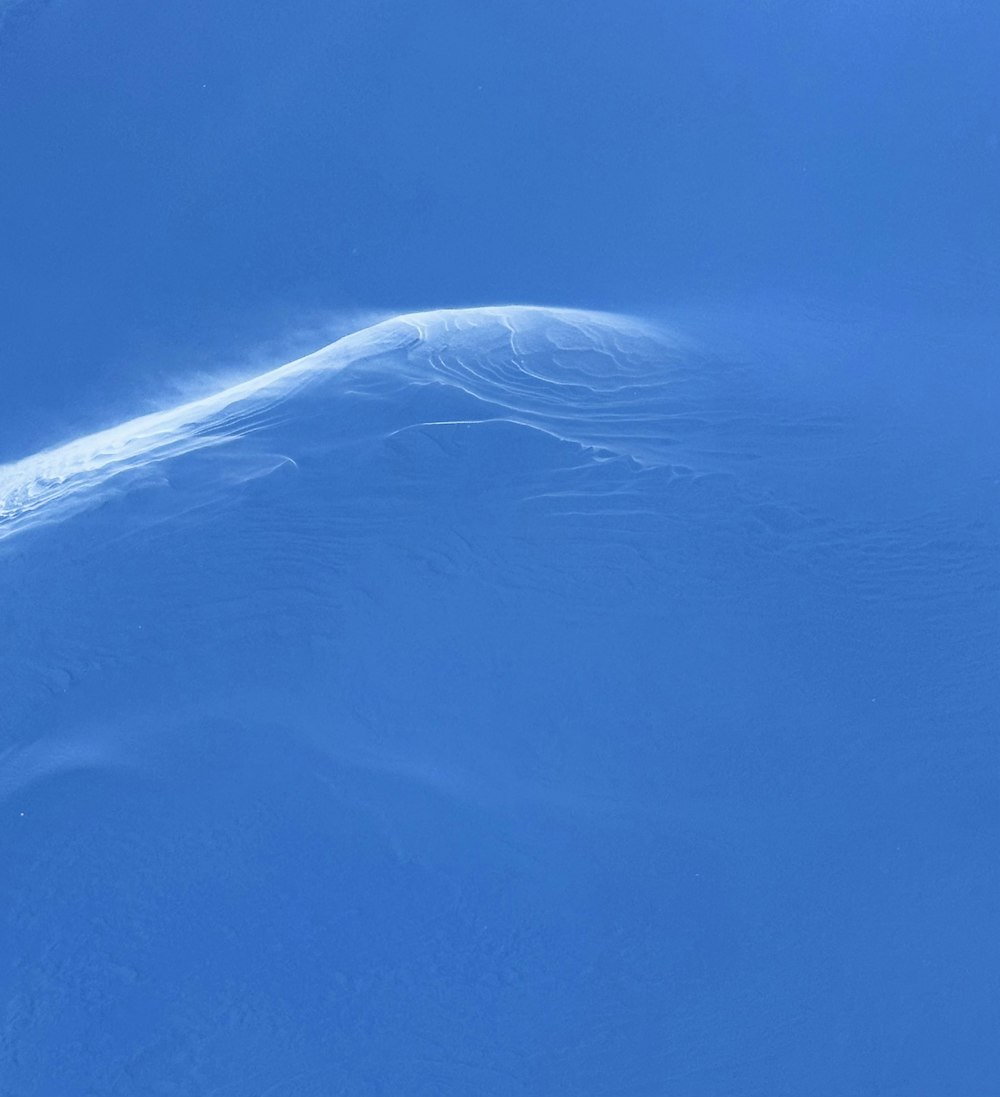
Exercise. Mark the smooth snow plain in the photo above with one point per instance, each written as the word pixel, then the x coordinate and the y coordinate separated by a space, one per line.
pixel 501 701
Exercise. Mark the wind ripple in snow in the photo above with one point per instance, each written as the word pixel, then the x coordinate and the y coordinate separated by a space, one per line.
pixel 609 383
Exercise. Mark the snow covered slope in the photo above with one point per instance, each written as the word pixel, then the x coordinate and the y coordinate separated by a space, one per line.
pixel 505 700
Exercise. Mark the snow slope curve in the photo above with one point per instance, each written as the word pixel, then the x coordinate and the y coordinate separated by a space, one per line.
pixel 497 701
pixel 588 374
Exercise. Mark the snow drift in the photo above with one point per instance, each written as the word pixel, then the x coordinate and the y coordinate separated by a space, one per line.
pixel 491 702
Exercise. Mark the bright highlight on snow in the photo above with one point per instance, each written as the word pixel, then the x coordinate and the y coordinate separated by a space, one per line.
pixel 581 376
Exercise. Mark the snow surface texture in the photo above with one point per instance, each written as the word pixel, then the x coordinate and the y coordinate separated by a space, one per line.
pixel 598 373
pixel 497 701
